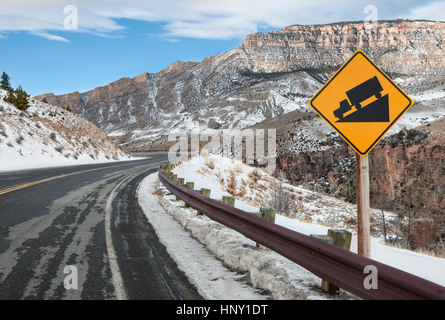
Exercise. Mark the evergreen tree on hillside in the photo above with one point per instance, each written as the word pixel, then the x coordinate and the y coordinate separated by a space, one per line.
pixel 10 98
pixel 19 98
pixel 4 82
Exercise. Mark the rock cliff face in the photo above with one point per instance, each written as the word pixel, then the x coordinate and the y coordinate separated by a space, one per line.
pixel 106 106
pixel 400 47
pixel 407 174
pixel 268 75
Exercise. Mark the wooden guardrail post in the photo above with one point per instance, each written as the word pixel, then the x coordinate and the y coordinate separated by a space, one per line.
pixel 268 214
pixel 204 192
pixel 326 286
pixel 189 185
pixel 340 238
pixel 229 200
pixel 323 237
pixel 180 181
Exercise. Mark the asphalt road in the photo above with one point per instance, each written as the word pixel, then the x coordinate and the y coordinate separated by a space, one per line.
pixel 79 233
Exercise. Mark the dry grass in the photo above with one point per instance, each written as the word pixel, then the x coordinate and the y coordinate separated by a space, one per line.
pixel 158 192
pixel 238 168
pixel 255 175
pixel 434 252
pixel 231 184
pixel 232 181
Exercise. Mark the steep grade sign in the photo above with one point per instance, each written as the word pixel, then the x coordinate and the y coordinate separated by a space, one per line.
pixel 361 103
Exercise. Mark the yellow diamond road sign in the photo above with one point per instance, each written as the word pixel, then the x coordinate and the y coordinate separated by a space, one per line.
pixel 361 103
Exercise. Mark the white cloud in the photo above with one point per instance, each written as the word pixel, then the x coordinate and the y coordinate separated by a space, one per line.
pixel 431 11
pixel 209 19
pixel 212 28
pixel 49 36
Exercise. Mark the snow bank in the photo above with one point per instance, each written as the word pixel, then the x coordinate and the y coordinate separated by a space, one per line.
pixel 213 280
pixel 185 236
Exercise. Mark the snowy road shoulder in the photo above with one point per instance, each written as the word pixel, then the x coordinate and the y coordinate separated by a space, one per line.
pixel 212 279
pixel 194 242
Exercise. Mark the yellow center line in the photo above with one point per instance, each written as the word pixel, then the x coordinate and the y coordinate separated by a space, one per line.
pixel 28 184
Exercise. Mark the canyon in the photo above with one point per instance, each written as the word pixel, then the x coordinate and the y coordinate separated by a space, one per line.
pixel 268 75
pixel 266 83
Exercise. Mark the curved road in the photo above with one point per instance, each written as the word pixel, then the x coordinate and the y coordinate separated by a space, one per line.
pixel 78 233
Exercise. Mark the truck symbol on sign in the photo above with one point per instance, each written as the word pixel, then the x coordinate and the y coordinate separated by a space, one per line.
pixel 358 94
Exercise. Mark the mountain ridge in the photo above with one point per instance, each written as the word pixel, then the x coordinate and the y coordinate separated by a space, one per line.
pixel 270 74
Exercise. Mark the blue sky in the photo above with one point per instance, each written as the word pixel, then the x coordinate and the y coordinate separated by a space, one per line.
pixel 114 39
pixel 88 61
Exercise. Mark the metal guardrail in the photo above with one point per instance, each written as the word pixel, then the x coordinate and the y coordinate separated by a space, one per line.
pixel 340 267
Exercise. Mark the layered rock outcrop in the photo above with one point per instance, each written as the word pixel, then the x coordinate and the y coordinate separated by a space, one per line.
pixel 407 174
pixel 400 47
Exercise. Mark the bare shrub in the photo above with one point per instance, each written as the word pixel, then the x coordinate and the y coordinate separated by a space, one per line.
pixel 19 139
pixel 255 175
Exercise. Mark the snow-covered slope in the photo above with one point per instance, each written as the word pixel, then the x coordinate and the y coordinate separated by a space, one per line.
pixel 45 135
pixel 314 214
pixel 254 188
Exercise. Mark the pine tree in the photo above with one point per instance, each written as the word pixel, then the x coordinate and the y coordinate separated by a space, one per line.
pixel 5 83
pixel 21 98
pixel 10 98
